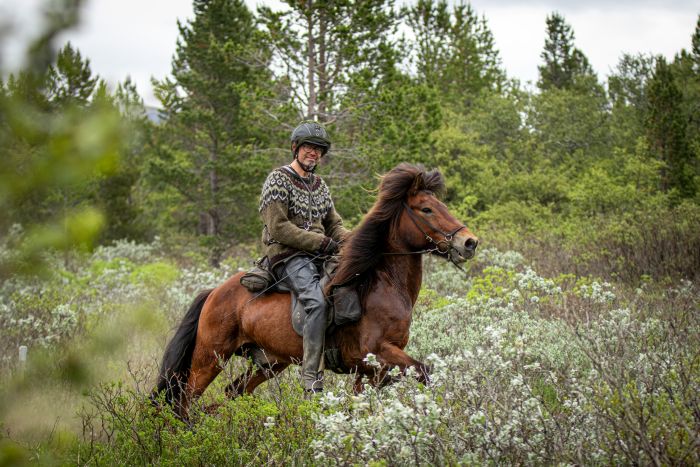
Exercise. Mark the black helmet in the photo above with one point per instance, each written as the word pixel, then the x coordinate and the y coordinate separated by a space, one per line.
pixel 313 133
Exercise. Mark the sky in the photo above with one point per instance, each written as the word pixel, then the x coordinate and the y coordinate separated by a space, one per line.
pixel 137 38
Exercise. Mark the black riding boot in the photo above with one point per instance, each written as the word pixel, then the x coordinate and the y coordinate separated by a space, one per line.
pixel 314 334
pixel 303 279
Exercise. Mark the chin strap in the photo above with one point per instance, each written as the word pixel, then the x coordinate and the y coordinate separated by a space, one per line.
pixel 305 167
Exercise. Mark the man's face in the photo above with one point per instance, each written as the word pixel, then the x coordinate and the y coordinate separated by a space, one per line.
pixel 309 154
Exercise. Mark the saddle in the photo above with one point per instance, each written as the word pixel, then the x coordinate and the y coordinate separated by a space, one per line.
pixel 343 303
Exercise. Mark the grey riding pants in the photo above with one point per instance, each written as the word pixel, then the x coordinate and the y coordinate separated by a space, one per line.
pixel 303 278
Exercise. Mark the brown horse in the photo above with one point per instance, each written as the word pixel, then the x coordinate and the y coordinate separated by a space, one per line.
pixel 383 257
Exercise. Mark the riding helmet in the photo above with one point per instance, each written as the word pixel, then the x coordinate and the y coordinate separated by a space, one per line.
pixel 313 133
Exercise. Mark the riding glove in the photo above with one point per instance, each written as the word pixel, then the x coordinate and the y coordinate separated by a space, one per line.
pixel 329 246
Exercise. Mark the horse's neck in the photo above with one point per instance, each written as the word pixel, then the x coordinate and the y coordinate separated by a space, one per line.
pixel 406 272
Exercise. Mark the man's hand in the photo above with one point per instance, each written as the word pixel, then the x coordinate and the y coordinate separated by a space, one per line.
pixel 329 246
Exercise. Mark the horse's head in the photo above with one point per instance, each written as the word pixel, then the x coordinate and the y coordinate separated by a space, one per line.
pixel 406 218
pixel 432 226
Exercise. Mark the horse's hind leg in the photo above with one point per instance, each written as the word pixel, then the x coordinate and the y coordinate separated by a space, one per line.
pixel 253 377
pixel 207 363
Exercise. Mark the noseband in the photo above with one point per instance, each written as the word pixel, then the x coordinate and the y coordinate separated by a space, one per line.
pixel 446 236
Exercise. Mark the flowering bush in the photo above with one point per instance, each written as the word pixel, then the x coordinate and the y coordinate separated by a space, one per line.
pixel 511 385
pixel 525 370
pixel 45 311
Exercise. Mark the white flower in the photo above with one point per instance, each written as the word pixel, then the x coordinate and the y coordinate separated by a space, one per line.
pixel 371 360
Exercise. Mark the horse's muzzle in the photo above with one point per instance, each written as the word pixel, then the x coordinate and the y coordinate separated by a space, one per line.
pixel 463 247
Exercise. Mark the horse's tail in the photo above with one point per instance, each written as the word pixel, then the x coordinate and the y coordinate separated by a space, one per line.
pixel 177 360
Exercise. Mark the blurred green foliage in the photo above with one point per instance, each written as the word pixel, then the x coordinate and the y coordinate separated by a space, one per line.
pixel 159 274
pixel 58 131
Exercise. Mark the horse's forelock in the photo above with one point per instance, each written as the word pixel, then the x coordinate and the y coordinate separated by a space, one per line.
pixel 434 182
pixel 408 179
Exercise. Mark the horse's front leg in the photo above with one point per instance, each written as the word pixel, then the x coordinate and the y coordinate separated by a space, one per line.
pixel 391 355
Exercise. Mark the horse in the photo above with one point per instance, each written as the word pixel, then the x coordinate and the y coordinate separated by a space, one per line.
pixel 382 258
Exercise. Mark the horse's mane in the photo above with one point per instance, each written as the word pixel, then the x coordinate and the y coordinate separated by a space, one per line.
pixel 363 250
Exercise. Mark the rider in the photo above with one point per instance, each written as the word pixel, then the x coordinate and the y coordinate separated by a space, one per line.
pixel 300 225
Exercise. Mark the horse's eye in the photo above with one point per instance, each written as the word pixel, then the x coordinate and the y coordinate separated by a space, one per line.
pixel 427 210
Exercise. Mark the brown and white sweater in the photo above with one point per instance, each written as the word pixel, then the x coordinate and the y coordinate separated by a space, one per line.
pixel 298 215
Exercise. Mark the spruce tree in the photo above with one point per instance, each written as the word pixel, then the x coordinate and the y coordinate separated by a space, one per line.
pixel 207 150
pixel 564 66
pixel 666 130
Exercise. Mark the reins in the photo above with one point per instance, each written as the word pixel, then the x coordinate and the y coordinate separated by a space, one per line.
pixel 272 286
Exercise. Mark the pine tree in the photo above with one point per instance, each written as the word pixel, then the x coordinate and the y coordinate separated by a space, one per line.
pixel 327 47
pixel 455 51
pixel 70 80
pixel 666 130
pixel 564 66
pixel 213 106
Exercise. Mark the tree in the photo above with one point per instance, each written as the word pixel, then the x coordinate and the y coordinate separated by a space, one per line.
pixel 571 128
pixel 67 88
pixel 326 47
pixel 208 150
pixel 666 129
pixel 627 85
pixel 70 80
pixel 455 51
pixel 44 150
pixel 695 47
pixel 686 70
pixel 564 66
pixel 115 193
pixel 627 88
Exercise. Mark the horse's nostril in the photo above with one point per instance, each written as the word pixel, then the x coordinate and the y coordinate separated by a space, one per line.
pixel 471 244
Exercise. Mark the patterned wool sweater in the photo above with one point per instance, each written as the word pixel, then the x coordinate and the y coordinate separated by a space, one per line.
pixel 298 215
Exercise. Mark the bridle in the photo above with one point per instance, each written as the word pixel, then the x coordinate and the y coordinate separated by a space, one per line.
pixel 443 247
pixel 447 237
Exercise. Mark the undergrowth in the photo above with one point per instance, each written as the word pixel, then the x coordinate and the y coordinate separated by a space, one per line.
pixel 527 369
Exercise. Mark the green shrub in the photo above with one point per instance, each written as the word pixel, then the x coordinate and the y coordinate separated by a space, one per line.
pixel 527 369
pixel 155 275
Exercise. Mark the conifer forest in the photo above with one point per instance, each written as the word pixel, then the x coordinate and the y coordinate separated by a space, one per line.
pixel 572 337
